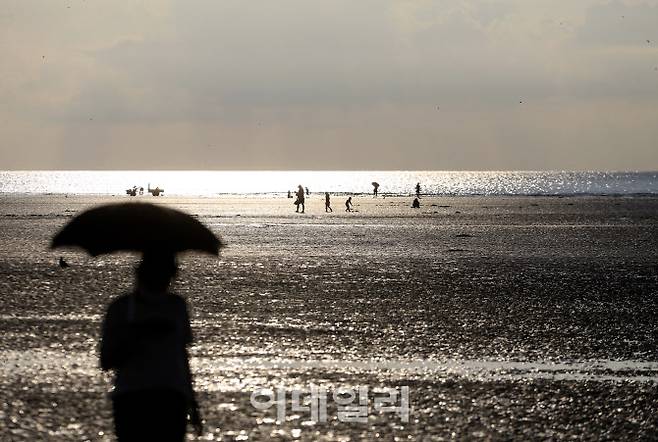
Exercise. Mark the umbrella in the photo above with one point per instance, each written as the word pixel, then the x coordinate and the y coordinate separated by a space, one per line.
pixel 139 227
pixel 375 184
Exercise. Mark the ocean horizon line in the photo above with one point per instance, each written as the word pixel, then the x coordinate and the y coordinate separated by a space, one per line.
pixel 390 183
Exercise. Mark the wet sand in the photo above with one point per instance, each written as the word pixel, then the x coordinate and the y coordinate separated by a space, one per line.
pixel 507 317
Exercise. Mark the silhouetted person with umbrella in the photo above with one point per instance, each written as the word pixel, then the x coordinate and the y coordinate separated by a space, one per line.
pixel 145 333
pixel 375 188
pixel 144 339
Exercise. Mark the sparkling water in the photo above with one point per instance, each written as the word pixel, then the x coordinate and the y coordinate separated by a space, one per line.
pixel 209 183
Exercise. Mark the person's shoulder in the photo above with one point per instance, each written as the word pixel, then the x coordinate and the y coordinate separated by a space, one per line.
pixel 119 301
pixel 179 305
pixel 177 300
pixel 118 305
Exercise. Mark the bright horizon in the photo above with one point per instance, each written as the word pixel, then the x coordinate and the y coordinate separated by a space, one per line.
pixel 426 85
pixel 213 183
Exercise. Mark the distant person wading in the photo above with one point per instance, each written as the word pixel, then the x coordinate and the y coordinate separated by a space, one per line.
pixel 327 202
pixel 300 198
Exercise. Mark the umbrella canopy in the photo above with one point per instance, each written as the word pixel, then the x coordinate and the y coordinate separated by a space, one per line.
pixel 139 227
pixel 375 184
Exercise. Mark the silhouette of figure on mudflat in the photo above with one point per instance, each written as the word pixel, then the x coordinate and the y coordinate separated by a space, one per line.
pixel 417 190
pixel 375 189
pixel 144 340
pixel 348 204
pixel 415 204
pixel 327 202
pixel 300 198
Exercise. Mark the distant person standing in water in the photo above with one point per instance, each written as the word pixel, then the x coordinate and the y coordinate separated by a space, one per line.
pixel 417 190
pixel 327 202
pixel 307 192
pixel 144 340
pixel 300 198
pixel 348 204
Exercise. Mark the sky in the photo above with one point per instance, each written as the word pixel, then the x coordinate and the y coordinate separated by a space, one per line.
pixel 332 85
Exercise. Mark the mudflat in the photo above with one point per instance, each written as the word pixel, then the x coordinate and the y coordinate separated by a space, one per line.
pixel 506 317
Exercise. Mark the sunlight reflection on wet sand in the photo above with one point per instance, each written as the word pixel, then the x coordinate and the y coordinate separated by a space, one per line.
pixel 231 373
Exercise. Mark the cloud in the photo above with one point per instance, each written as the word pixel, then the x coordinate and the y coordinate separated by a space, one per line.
pixel 617 23
pixel 251 84
pixel 228 59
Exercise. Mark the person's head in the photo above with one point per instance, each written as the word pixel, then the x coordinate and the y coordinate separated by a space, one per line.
pixel 156 271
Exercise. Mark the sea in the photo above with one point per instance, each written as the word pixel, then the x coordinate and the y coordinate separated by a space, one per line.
pixel 263 183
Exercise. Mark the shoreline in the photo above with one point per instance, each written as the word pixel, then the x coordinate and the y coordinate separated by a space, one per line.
pixel 381 195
